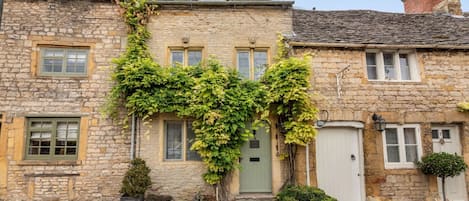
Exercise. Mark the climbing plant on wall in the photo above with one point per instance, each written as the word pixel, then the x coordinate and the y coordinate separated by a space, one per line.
pixel 463 106
pixel 218 99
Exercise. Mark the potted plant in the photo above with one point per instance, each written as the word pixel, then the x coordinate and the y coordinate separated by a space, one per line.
pixel 442 165
pixel 136 181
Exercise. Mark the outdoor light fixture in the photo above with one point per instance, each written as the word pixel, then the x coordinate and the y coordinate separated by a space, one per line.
pixel 379 122
pixel 323 118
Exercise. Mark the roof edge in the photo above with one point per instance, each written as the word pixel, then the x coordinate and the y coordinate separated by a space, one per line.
pixel 359 45
pixel 224 3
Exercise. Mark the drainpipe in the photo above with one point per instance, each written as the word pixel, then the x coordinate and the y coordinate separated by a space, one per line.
pixel 307 165
pixel 132 138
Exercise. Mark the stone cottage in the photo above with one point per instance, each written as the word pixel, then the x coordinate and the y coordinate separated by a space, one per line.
pixel 408 69
pixel 241 35
pixel 54 77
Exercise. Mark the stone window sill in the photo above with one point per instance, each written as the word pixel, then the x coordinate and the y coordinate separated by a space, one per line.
pixel 49 163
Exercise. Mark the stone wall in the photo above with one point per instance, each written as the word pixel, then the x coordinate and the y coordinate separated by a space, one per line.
pixel 428 102
pixel 219 31
pixel 180 179
pixel 103 155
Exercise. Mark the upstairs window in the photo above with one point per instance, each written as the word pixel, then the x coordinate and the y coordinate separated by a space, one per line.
pixel 1 13
pixel 63 61
pixel 402 145
pixel 252 63
pixel 185 56
pixel 391 66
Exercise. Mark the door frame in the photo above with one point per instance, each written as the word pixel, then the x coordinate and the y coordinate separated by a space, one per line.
pixel 359 127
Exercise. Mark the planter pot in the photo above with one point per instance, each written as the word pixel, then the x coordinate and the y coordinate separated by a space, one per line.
pixel 132 198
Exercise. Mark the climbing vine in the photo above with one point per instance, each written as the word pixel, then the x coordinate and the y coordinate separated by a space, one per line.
pixel 218 99
pixel 463 106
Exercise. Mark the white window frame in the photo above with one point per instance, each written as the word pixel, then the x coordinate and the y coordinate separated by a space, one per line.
pixel 401 144
pixel 251 52
pixel 185 54
pixel 380 70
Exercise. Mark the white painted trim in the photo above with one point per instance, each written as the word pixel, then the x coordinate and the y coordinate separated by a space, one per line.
pixel 350 124
pixel 401 145
pixel 362 163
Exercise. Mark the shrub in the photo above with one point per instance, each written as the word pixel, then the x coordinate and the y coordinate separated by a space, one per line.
pixel 442 165
pixel 303 193
pixel 137 179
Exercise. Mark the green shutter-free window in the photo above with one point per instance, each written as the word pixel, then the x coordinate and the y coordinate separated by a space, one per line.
pixel 63 61
pixel 52 138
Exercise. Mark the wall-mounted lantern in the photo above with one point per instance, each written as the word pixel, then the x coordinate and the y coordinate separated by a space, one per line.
pixel 323 118
pixel 379 122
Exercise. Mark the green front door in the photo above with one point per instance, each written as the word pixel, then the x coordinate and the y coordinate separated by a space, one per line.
pixel 256 164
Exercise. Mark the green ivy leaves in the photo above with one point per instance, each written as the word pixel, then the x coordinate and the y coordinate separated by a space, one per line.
pixel 288 89
pixel 463 106
pixel 218 99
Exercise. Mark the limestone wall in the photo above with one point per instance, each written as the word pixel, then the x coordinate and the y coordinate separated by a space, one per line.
pixel 219 31
pixel 103 153
pixel 427 102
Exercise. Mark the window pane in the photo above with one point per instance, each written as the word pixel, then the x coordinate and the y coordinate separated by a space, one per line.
pixel 67 132
pixel 389 69
pixel 391 136
pixel 446 134
pixel 190 137
pixel 53 53
pixel 52 65
pixel 409 136
pixel 435 134
pixel 173 140
pixel 260 63
pixel 76 62
pixel 371 66
pixel 195 57
pixel 405 70
pixel 41 124
pixel 177 57
pixel 393 153
pixel 411 153
pixel 243 64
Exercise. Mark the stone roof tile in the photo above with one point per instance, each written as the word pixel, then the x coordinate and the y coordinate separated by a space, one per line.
pixel 373 27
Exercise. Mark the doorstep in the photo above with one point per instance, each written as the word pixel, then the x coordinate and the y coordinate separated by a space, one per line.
pixel 255 197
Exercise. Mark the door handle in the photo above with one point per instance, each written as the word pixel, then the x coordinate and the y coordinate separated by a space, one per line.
pixel 353 157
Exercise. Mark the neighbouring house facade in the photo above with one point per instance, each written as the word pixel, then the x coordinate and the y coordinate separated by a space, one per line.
pixel 410 69
pixel 55 59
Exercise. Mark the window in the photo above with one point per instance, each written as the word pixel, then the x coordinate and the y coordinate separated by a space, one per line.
pixel 179 138
pixel 1 13
pixel 391 66
pixel 402 145
pixel 443 134
pixel 63 61
pixel 52 138
pixel 185 57
pixel 252 63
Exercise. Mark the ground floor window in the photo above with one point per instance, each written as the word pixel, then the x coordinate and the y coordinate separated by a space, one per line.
pixel 402 145
pixel 179 138
pixel 52 138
